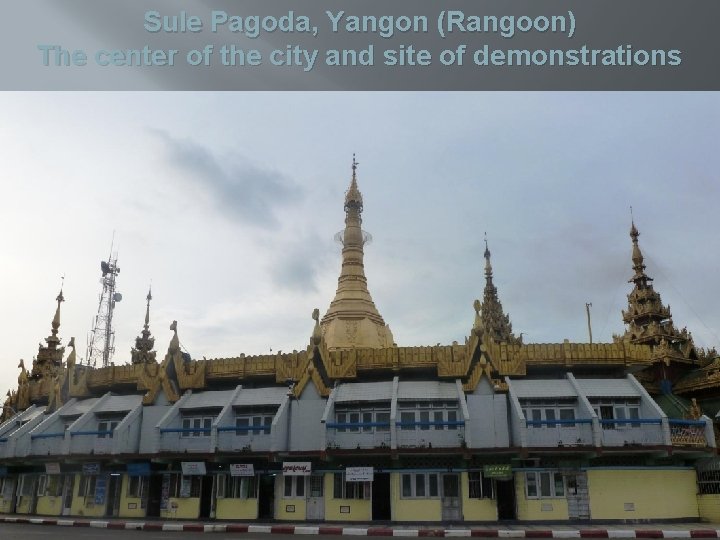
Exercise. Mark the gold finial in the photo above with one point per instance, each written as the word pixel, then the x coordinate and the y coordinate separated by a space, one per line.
pixel 353 197
pixel 147 309
pixel 633 230
pixel 637 256
pixel 488 266
pixel 60 298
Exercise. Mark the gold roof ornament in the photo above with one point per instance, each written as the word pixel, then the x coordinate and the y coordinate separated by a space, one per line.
pixel 649 321
pixel 478 323
pixel 495 322
pixel 49 358
pixel 352 320
pixel 142 353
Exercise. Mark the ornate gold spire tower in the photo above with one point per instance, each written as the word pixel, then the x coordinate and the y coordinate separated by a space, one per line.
pixel 494 321
pixel 142 353
pixel 649 321
pixel 352 319
pixel 49 358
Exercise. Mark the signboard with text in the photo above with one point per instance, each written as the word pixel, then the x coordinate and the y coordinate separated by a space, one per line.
pixel 242 469
pixel 91 469
pixel 193 468
pixel 52 468
pixel 359 474
pixel 296 468
pixel 497 471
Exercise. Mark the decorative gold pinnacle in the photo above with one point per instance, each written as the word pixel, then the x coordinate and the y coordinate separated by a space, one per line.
pixel 352 320
pixel 649 321
pixel 48 361
pixel 494 320
pixel 142 353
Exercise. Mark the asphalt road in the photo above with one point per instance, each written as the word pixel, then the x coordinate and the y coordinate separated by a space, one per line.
pixel 23 531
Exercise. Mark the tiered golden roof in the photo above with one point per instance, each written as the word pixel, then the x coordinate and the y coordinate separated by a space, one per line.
pixel 649 321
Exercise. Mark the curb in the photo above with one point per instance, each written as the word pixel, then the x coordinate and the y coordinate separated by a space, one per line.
pixel 369 531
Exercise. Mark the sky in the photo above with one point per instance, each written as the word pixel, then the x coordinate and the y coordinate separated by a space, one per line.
pixel 227 203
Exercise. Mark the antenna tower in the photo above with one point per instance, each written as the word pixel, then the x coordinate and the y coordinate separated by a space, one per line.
pixel 101 339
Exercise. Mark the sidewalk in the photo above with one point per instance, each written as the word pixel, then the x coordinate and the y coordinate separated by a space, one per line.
pixel 525 530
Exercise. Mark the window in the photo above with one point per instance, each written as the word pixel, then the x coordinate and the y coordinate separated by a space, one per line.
pixel 429 415
pixel 407 420
pixel 708 475
pixel 480 487
pixel 106 428
pixel 367 419
pixel 545 413
pixel 294 486
pixel 176 485
pixel 383 420
pixel 196 426
pixel 259 424
pixel 136 486
pixel 49 486
pixel 349 490
pixel 41 485
pixel 86 488
pixel 614 409
pixel 7 486
pixel 235 487
pixel 544 485
pixel 27 485
pixel 190 486
pixel 419 485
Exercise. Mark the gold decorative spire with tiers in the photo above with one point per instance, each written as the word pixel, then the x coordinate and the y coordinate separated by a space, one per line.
pixel 649 321
pixel 142 353
pixel 352 320
pixel 494 321
pixel 49 358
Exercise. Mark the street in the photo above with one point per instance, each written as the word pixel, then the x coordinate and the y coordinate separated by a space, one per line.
pixel 22 531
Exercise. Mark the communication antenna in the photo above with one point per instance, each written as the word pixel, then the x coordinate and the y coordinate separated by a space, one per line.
pixel 101 339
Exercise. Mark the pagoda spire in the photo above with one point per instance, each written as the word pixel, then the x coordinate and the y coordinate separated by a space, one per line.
pixel 352 320
pixel 494 320
pixel 53 340
pixel 649 321
pixel 49 357
pixel 142 353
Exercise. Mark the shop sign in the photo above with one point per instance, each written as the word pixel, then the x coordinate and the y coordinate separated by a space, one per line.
pixel 52 468
pixel 497 471
pixel 91 469
pixel 358 474
pixel 242 469
pixel 193 468
pixel 138 469
pixel 297 468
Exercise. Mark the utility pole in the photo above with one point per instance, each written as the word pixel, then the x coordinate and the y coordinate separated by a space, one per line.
pixel 587 309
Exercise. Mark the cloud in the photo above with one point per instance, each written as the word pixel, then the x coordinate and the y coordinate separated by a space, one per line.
pixel 296 265
pixel 243 191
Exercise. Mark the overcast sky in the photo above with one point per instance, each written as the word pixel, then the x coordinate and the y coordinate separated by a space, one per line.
pixel 228 204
